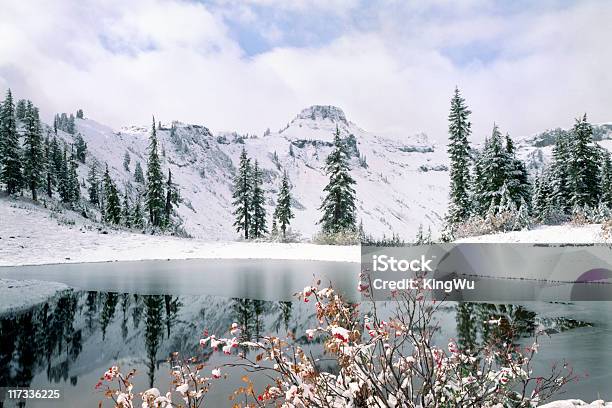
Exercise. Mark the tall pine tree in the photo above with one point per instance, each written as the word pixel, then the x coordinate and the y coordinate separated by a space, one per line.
pixel 606 179
pixel 126 214
pixel 339 204
pixel 93 184
pixel 10 169
pixel 172 199
pixel 48 168
pixel 559 173
pixel 112 210
pixel 155 184
pixel 34 154
pixel 583 166
pixel 459 129
pixel 283 213
pixel 258 221
pixel 242 195
pixel 138 175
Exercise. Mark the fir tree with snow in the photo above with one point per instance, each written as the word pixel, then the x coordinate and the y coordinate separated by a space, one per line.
pixel 172 199
pixel 258 210
pixel 10 171
pixel 559 173
pixel 21 109
pixel 93 184
pixel 283 212
pixel 137 215
pixel 155 202
pixel 64 178
pixel 606 179
pixel 34 160
pixel 70 125
pixel 126 214
pixel 112 210
pixel 126 161
pixel 339 204
pixel 49 174
pixel 73 180
pixel 519 187
pixel 138 174
pixel 583 166
pixel 81 147
pixel 499 175
pixel 459 130
pixel 522 220
pixel 79 114
pixel 242 195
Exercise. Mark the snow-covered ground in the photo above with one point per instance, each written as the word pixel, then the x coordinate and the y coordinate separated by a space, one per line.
pixel 31 235
pixel 566 233
pixel 17 295
pixel 572 403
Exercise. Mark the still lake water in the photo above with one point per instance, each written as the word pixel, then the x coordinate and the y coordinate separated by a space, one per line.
pixel 136 313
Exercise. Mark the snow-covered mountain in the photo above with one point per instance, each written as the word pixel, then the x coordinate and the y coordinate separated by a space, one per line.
pixel 400 184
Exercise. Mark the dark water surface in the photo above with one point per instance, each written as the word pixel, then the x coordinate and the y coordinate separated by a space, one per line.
pixel 135 314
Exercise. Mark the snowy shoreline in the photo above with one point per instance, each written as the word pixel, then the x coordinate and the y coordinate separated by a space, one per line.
pixel 188 249
pixel 19 295
pixel 572 403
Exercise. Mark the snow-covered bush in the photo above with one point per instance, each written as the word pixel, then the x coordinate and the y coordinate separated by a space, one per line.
pixel 346 237
pixel 369 361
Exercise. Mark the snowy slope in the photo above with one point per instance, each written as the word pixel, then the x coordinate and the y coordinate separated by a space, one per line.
pixel 32 235
pixel 403 185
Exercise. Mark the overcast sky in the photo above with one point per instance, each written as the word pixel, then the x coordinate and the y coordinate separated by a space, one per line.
pixel 247 65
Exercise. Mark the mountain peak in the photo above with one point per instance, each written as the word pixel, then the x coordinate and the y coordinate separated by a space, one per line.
pixel 322 112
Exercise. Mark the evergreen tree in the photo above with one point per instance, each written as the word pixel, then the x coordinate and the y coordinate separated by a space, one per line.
pixel 34 153
pixel 79 114
pixel 48 168
pixel 606 179
pixel 138 175
pixel 459 130
pixel 137 215
pixel 522 219
pixel 283 211
pixel 94 184
pixel 126 161
pixel 583 166
pixel 339 204
pixel 81 147
pixel 559 173
pixel 499 175
pixel 112 211
pixel 172 199
pixel 126 215
pixel 519 187
pixel 258 220
pixel 242 195
pixel 73 180
pixel 155 184
pixel 420 238
pixel 479 198
pixel 10 171
pixel 64 178
pixel 21 109
pixel 70 126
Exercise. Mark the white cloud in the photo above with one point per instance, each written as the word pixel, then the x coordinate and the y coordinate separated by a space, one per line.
pixel 123 61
